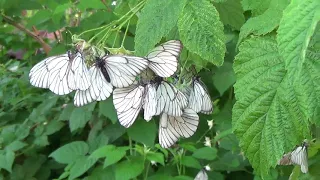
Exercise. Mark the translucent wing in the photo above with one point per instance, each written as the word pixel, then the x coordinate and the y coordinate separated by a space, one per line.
pixel 99 89
pixel 128 102
pixel 78 78
pixel 123 70
pixel 170 100
pixel 39 74
pixel 299 156
pixel 171 128
pixel 149 102
pixel 199 99
pixel 164 58
pixel 202 175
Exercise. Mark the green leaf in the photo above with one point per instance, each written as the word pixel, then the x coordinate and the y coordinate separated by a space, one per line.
pixel 201 31
pixel 111 153
pixel 256 6
pixel 70 152
pixel 129 169
pixel 102 151
pixel 231 13
pixel 81 165
pixel 6 160
pixel 308 84
pixel 268 117
pixel 52 127
pixel 270 18
pixel 79 118
pixel 15 146
pixel 295 31
pixel 100 173
pixel 190 161
pixel 115 156
pixel 107 109
pixel 207 153
pixel 149 128
pixel 157 157
pixel 66 112
pixel 156 20
pixel 94 4
pixel 224 77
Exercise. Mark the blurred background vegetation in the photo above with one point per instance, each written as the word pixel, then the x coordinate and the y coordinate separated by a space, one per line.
pixel 43 136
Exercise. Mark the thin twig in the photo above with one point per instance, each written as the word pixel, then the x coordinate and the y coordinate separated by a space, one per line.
pixel 44 45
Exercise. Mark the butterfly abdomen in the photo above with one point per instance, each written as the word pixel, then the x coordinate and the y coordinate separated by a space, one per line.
pixel 101 64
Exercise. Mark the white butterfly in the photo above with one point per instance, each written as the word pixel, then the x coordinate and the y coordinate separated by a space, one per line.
pixel 118 70
pixel 202 175
pixel 163 60
pixel 199 98
pixel 298 156
pixel 61 74
pixel 171 128
pixel 170 100
pixel 128 102
pixel 149 101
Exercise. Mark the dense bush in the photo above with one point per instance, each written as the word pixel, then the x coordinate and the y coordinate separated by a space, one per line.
pixel 260 60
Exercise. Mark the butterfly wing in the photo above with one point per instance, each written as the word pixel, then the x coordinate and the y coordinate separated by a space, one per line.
pixel 128 102
pixel 173 127
pixel 149 102
pixel 98 90
pixel 78 77
pixel 39 74
pixel 300 157
pixel 123 70
pixel 199 99
pixel 202 175
pixel 170 100
pixel 164 58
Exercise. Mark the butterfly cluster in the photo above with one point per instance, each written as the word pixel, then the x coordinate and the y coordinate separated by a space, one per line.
pixel 122 76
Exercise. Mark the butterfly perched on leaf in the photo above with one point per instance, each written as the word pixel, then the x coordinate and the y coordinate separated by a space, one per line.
pixel 299 156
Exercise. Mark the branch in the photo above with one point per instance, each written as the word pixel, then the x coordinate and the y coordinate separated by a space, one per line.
pixel 44 45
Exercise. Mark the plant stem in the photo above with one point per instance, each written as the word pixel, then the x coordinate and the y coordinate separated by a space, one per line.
pixel 44 45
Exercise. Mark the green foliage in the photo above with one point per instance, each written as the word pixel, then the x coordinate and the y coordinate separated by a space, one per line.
pixel 157 19
pixel 295 31
pixel 258 58
pixel 201 31
pixel 266 22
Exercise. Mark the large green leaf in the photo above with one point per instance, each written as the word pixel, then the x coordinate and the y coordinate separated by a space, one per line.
pixel 201 31
pixel 269 117
pixel 70 152
pixel 296 28
pixel 81 165
pixel 6 160
pixel 208 153
pixel 129 169
pixel 265 22
pixel 156 20
pixel 80 116
pixel 231 13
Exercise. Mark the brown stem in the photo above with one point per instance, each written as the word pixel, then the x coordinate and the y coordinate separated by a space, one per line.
pixel 44 45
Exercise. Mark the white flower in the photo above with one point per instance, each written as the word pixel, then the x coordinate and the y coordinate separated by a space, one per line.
pixel 210 123
pixel 207 141
pixel 207 167
pixel 153 163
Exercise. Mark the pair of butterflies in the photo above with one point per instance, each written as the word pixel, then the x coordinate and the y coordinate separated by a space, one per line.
pixel 299 156
pixel 177 110
pixel 64 73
